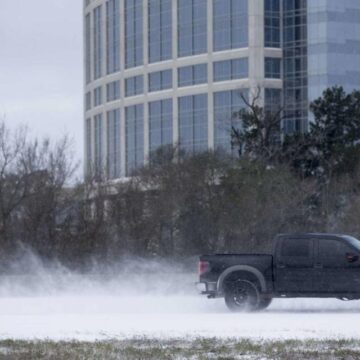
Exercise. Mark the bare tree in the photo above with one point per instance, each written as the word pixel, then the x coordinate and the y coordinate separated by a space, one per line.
pixel 259 135
pixel 45 211
pixel 14 179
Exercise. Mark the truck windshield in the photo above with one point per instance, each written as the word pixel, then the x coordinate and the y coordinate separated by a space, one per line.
pixel 353 241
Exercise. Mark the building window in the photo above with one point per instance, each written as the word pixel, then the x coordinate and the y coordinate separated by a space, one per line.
pixel 231 69
pixel 88 147
pixel 113 91
pixel 227 104
pixel 88 101
pixel 134 85
pixel 134 138
pixel 273 68
pixel 295 66
pixel 98 145
pixel 112 36
pixel 160 123
pixel 160 80
pixel 273 110
pixel 272 23
pixel 160 30
pixel 192 27
pixel 230 24
pixel 88 48
pixel 134 55
pixel 113 144
pixel 97 42
pixel 98 96
pixel 272 100
pixel 193 123
pixel 192 75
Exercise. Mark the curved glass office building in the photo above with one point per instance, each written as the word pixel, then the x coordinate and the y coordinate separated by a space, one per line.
pixel 161 72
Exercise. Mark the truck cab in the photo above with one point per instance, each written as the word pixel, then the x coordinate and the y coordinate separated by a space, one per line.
pixel 317 265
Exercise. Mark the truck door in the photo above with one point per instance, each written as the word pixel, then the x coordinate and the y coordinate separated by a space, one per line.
pixel 337 267
pixel 294 268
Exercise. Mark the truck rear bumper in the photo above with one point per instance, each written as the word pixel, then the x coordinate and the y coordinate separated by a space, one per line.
pixel 208 288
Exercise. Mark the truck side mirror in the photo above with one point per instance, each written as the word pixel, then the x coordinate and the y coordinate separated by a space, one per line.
pixel 352 257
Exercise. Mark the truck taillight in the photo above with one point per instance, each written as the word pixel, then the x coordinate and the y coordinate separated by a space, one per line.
pixel 203 267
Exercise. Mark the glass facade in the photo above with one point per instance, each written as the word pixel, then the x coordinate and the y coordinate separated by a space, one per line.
pixel 273 108
pixel 193 75
pixel 134 48
pixel 297 49
pixel 226 105
pixel 88 48
pixel 160 30
pixel 192 27
pixel 231 69
pixel 134 125
pixel 134 85
pixel 89 159
pixel 193 123
pixel 113 91
pixel 273 68
pixel 333 45
pixel 272 23
pixel 273 100
pixel 160 80
pixel 98 142
pixel 230 24
pixel 160 123
pixel 88 100
pixel 113 144
pixel 98 42
pixel 98 96
pixel 295 65
pixel 112 36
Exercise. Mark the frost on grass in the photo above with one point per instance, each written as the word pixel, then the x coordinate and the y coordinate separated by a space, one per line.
pixel 201 348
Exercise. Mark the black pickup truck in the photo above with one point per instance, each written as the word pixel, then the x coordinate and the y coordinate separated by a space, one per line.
pixel 305 265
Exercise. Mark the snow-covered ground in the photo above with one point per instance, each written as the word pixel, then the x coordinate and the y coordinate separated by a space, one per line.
pixel 162 305
pixel 103 317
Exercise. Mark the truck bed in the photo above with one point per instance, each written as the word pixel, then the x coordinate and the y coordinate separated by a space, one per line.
pixel 220 263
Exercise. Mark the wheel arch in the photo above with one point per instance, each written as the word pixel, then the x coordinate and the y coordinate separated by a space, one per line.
pixel 243 268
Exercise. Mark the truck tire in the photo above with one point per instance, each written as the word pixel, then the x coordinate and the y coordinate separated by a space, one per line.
pixel 242 295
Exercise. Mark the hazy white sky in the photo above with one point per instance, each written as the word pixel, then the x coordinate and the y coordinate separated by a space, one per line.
pixel 41 72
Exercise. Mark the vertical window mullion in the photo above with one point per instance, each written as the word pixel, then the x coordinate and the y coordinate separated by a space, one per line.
pixel 134 32
pixel 162 122
pixel 193 122
pixel 192 27
pixel 231 25
pixel 135 137
pixel 161 30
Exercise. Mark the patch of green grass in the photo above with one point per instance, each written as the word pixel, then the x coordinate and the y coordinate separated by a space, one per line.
pixel 176 349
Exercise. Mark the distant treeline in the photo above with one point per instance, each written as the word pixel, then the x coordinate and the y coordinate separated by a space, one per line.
pixel 180 204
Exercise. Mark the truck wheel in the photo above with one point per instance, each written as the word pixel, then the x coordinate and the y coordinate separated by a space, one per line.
pixel 241 295
pixel 264 303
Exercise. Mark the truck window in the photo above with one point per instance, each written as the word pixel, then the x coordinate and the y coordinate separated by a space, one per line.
pixel 296 248
pixel 297 252
pixel 333 252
